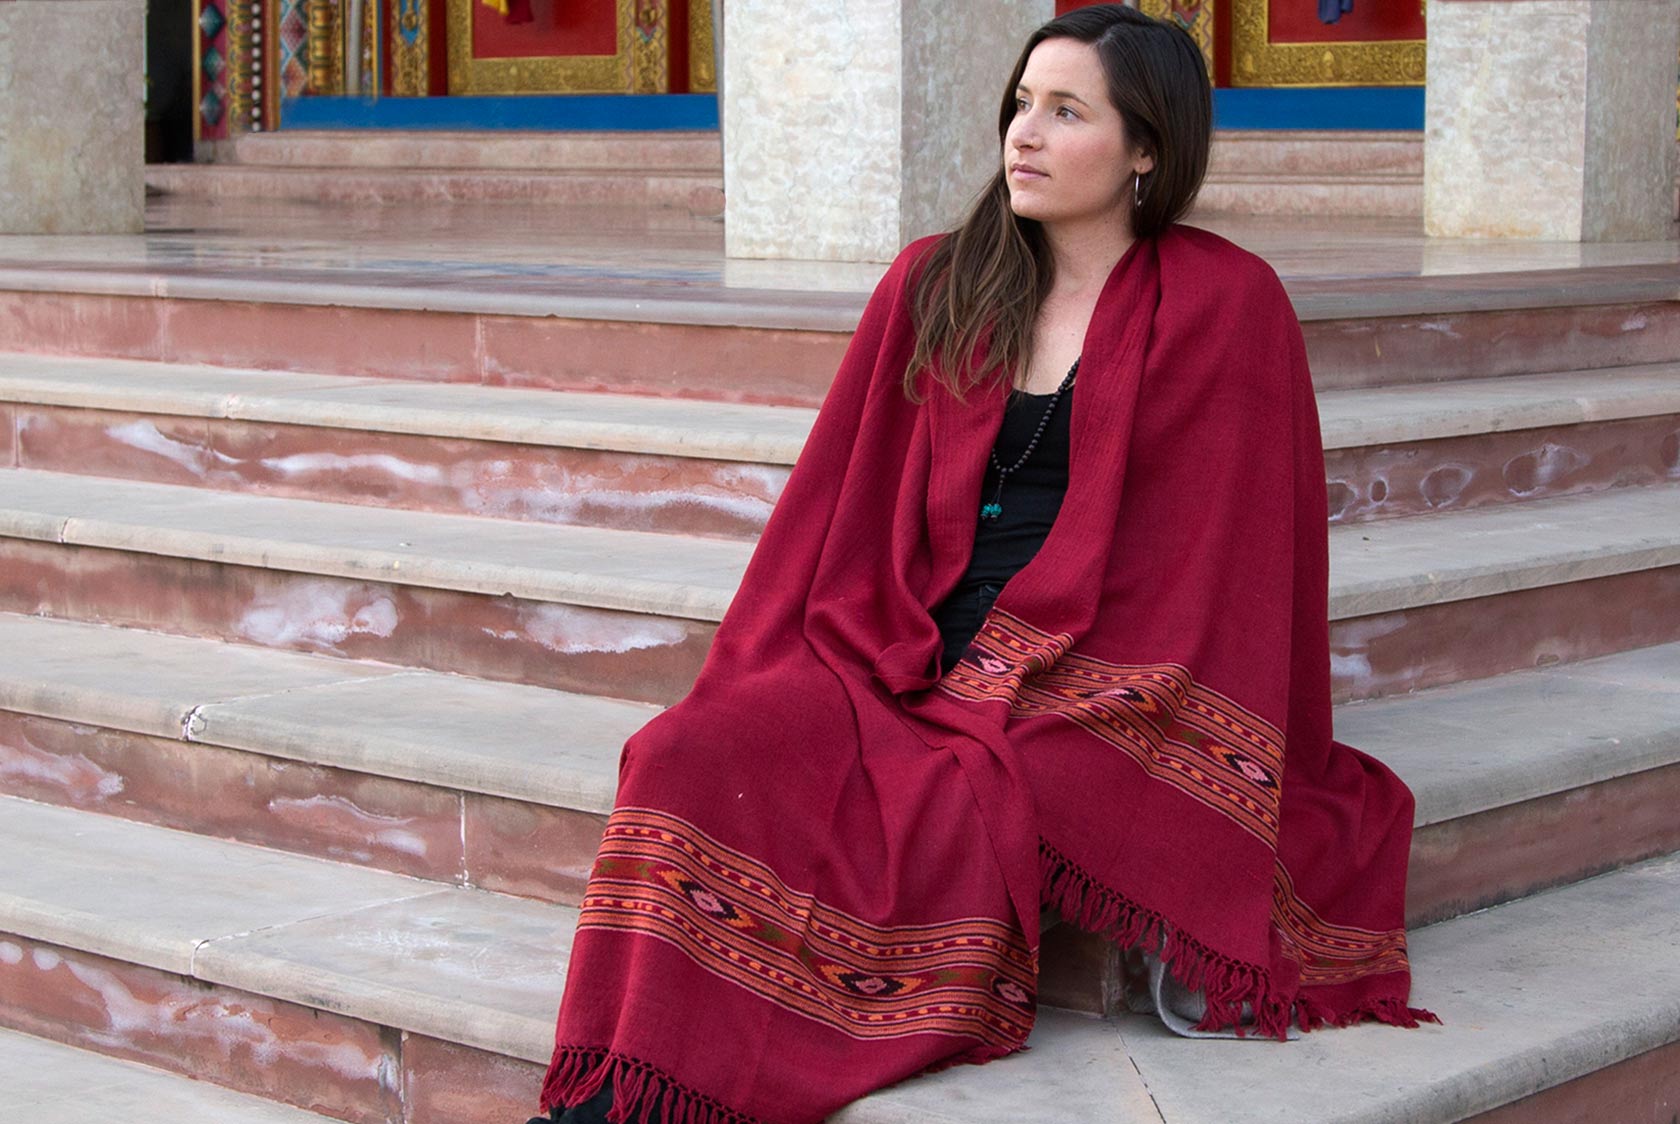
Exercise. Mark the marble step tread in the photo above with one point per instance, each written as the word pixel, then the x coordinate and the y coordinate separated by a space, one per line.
pixel 774 296
pixel 173 175
pixel 697 149
pixel 1520 1010
pixel 629 423
pixel 754 434
pixel 51 1083
pixel 1463 749
pixel 1375 567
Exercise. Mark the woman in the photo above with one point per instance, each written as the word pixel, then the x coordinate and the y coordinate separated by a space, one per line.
pixel 946 697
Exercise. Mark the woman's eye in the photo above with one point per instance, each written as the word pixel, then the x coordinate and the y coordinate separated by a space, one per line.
pixel 1069 112
pixel 1020 103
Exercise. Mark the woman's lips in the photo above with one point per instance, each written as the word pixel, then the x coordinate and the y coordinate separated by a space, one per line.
pixel 1023 173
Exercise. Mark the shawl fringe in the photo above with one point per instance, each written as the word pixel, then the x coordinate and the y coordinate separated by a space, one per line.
pixel 578 1072
pixel 1227 984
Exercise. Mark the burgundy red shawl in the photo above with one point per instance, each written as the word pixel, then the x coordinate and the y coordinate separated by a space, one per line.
pixel 826 864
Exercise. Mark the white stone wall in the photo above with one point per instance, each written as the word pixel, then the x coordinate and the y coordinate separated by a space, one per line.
pixel 72 116
pixel 1550 119
pixel 854 126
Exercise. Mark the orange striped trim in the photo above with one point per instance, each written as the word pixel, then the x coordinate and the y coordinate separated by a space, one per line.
pixel 662 876
pixel 1178 731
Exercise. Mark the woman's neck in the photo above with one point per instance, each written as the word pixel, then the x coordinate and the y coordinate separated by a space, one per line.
pixel 1086 252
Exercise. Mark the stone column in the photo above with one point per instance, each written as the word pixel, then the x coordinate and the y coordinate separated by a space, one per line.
pixel 72 116
pixel 854 126
pixel 1551 119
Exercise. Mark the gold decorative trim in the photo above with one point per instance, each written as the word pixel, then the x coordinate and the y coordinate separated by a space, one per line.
pixel 1194 16
pixel 638 66
pixel 197 7
pixel 411 48
pixel 326 48
pixel 1257 61
pixel 702 65
pixel 237 112
pixel 651 65
pixel 271 77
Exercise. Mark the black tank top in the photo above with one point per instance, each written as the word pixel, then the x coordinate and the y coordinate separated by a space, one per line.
pixel 1033 493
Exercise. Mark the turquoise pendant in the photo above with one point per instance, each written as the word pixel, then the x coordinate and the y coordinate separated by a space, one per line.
pixel 991 510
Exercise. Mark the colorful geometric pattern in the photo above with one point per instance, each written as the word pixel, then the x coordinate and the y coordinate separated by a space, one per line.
pixel 1331 954
pixel 213 45
pixel 661 875
pixel 1180 732
pixel 294 48
pixel 1177 731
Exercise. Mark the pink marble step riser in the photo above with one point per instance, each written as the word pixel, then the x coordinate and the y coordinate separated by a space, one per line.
pixel 1348 195
pixel 1345 354
pixel 1234 153
pixel 1485 469
pixel 728 499
pixel 426 831
pixel 775 366
pixel 357 1071
pixel 653 658
pixel 1642 1089
pixel 347 1068
pixel 634 656
pixel 545 853
pixel 770 366
pixel 700 193
pixel 544 484
pixel 641 152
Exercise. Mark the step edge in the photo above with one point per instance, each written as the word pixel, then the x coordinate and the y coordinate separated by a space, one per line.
pixel 317 407
pixel 1656 1024
pixel 1350 596
pixel 700 442
pixel 1503 785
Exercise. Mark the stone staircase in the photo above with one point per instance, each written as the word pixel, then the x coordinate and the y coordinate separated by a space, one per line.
pixel 1250 172
pixel 681 169
pixel 314 672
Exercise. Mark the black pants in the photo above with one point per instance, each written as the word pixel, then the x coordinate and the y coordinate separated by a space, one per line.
pixel 959 617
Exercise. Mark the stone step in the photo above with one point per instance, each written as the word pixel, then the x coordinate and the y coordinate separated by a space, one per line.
pixel 50 1083
pixel 507 787
pixel 1312 172
pixel 1320 152
pixel 688 466
pixel 697 192
pixel 633 462
pixel 1413 602
pixel 758 338
pixel 1266 193
pixel 192 953
pixel 689 150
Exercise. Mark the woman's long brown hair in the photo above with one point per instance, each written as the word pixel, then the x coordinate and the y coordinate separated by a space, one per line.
pixel 983 284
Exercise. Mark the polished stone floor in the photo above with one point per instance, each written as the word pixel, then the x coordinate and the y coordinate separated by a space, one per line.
pixel 450 255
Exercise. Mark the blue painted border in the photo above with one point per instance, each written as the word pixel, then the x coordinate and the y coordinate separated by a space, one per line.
pixel 561 111
pixel 1321 107
pixel 1340 107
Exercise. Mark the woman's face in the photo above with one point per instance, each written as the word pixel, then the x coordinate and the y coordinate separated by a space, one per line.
pixel 1066 155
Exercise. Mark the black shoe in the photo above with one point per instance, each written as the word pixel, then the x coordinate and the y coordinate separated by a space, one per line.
pixel 591 1111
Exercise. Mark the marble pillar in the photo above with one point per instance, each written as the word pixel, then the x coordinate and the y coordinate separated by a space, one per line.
pixel 1551 119
pixel 72 116
pixel 852 127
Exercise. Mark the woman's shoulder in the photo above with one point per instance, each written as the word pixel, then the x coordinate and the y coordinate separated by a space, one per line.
pixel 1235 273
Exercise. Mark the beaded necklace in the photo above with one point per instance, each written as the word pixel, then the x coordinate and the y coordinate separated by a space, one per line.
pixel 991 511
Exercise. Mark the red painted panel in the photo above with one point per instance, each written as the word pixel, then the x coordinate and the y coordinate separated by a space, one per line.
pixel 559 27
pixel 1296 21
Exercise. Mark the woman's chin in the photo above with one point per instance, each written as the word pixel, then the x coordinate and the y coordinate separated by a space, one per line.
pixel 1028 208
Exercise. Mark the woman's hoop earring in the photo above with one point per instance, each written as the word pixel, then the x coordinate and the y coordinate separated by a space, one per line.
pixel 1137 195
